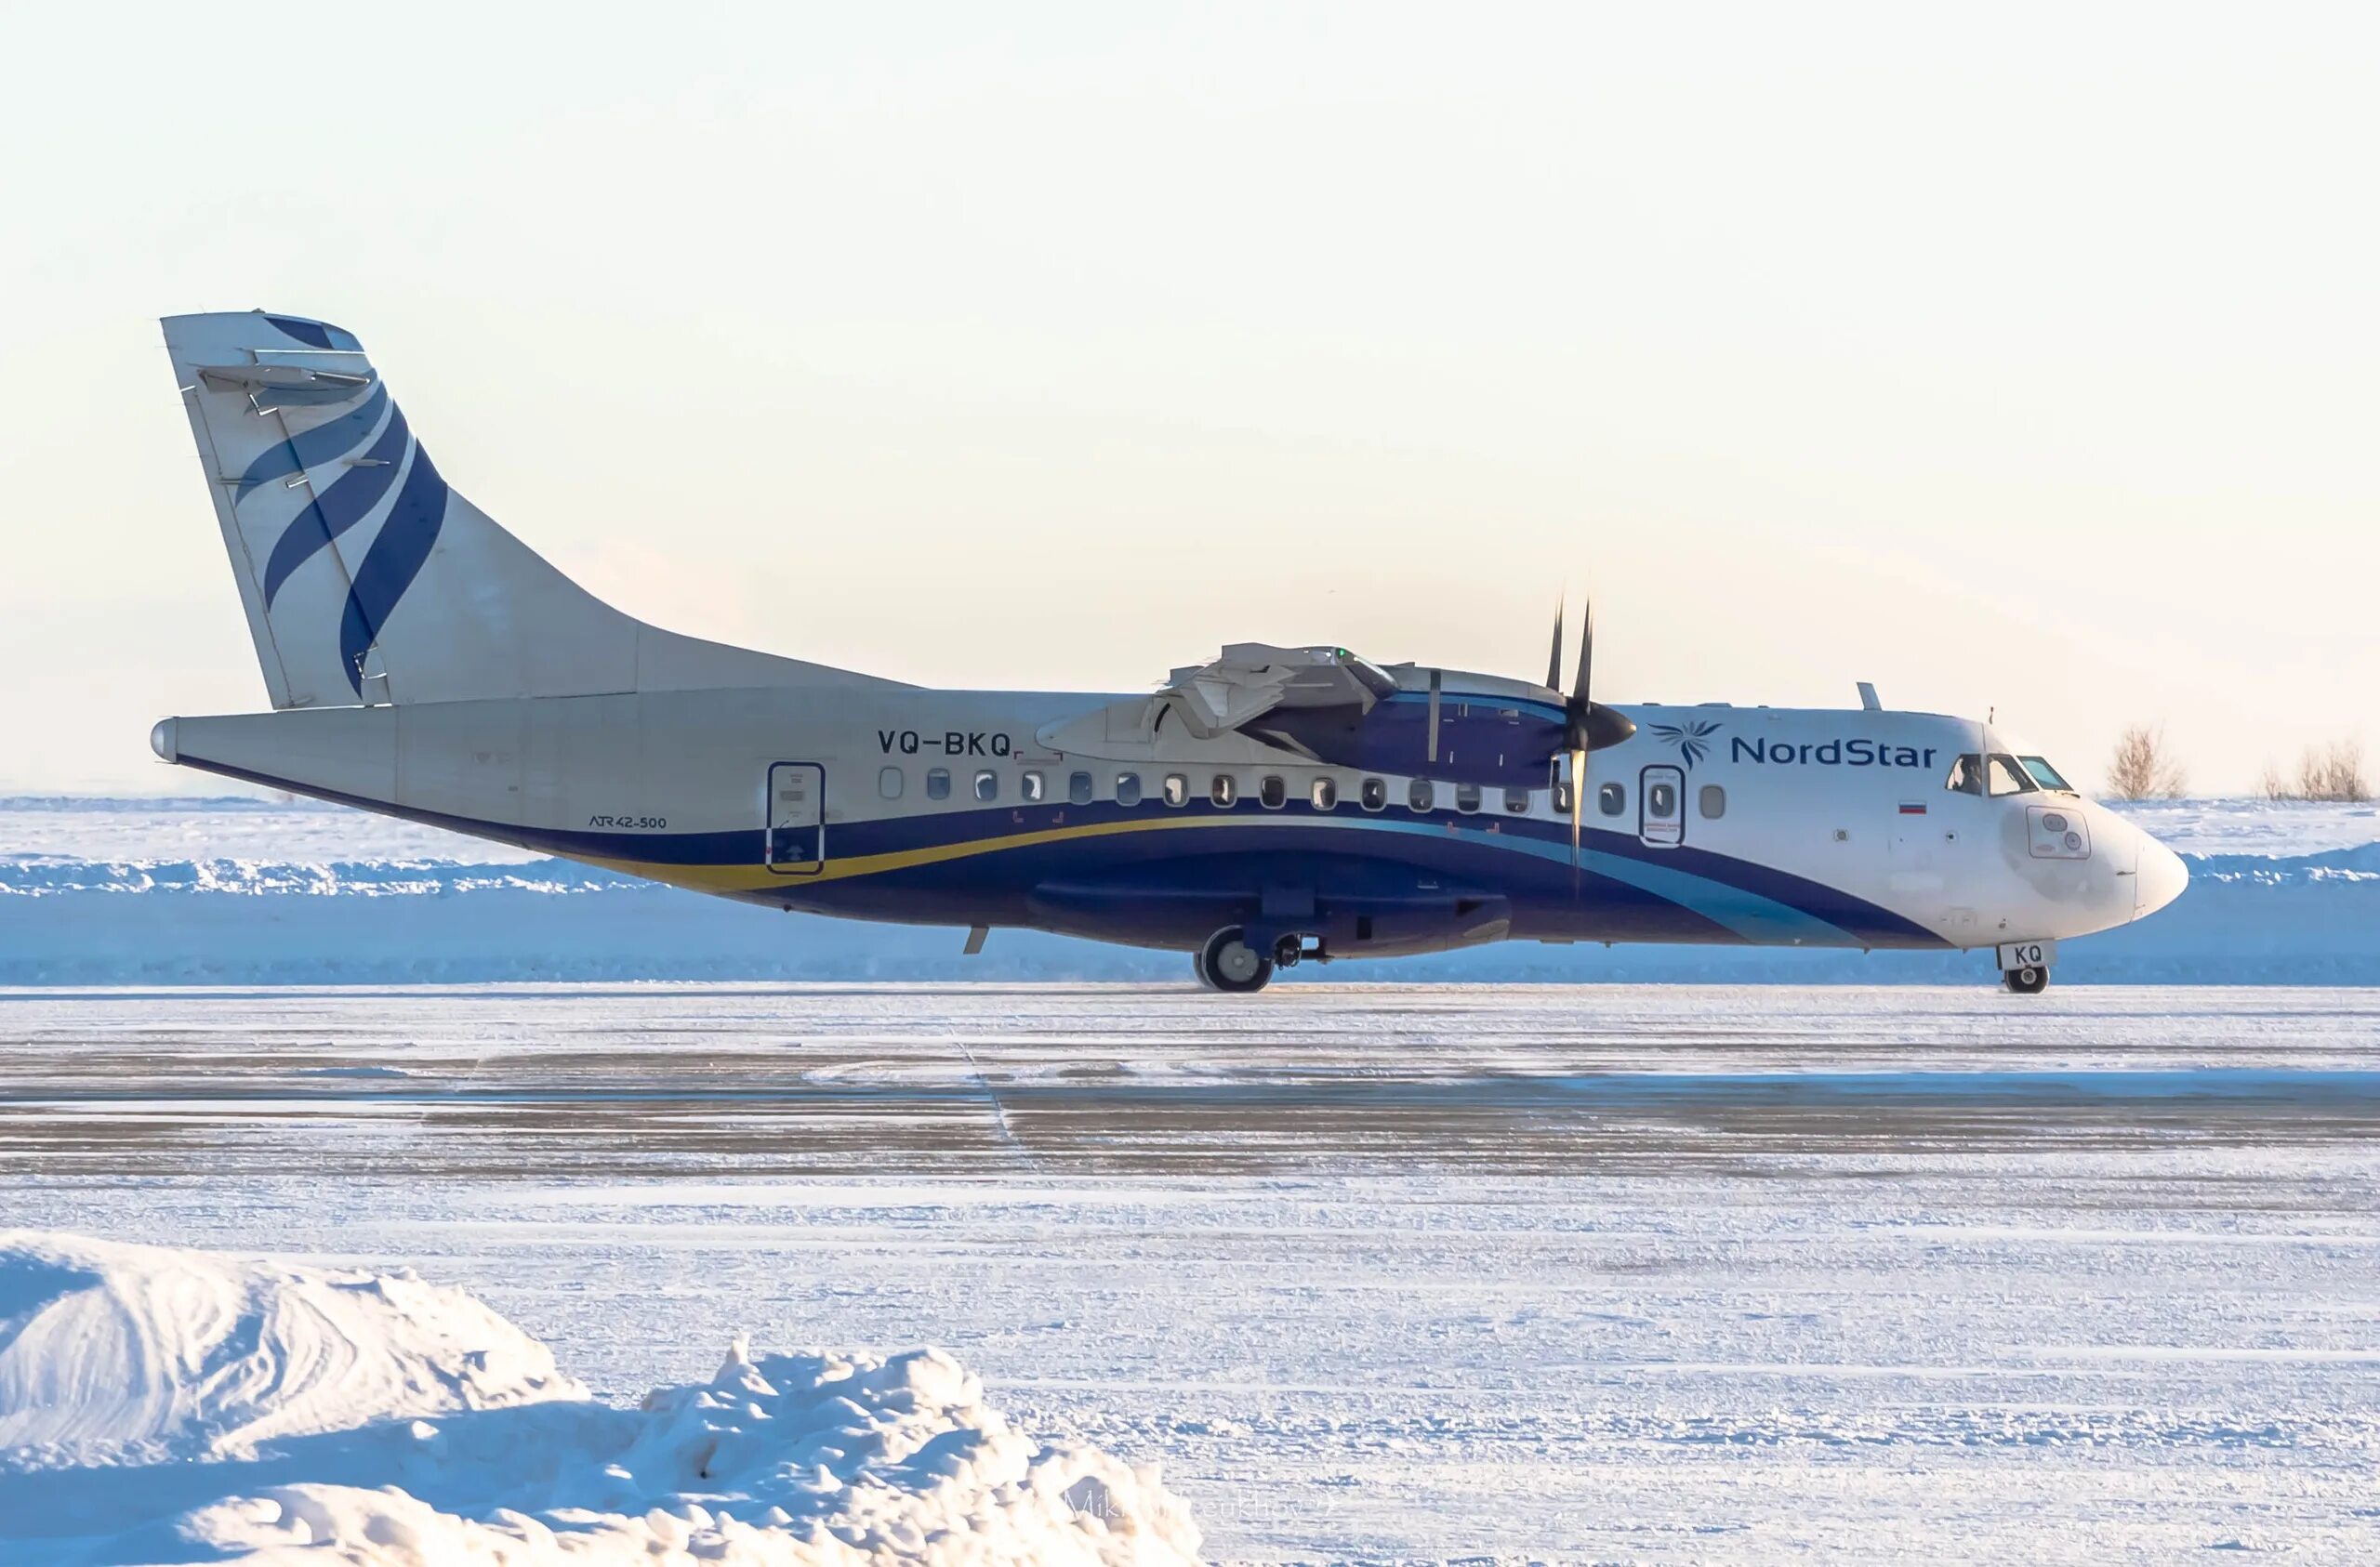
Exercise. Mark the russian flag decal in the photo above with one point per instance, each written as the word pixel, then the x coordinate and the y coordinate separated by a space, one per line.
pixel 1913 808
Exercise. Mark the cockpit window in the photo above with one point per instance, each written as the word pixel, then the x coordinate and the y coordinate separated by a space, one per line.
pixel 2045 775
pixel 1966 775
pixel 2005 777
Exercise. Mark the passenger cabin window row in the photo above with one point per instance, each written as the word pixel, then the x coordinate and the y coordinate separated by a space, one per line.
pixel 1973 774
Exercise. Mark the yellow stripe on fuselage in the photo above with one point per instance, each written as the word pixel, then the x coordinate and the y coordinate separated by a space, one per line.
pixel 728 879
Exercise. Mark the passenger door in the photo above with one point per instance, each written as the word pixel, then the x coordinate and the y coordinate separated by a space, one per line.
pixel 796 844
pixel 1660 807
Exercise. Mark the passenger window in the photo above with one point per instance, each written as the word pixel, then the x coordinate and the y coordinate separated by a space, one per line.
pixel 1034 788
pixel 1079 788
pixel 1324 795
pixel 1715 801
pixel 937 782
pixel 1660 801
pixel 1128 788
pixel 1561 798
pixel 1420 794
pixel 2005 777
pixel 1517 801
pixel 1966 775
pixel 1466 797
pixel 987 784
pixel 1272 792
pixel 888 782
pixel 1224 789
pixel 1177 789
pixel 1612 798
pixel 1375 794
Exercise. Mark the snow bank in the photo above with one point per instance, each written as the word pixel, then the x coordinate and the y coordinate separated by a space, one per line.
pixel 113 1352
pixel 247 892
pixel 180 1406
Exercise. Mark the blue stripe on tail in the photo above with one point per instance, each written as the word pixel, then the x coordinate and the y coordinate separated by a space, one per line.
pixel 342 503
pixel 316 333
pixel 318 445
pixel 395 559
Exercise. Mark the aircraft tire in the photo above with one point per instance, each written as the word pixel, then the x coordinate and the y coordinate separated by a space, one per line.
pixel 2026 981
pixel 1227 963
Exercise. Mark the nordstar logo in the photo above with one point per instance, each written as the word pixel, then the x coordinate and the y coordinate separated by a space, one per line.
pixel 1692 739
pixel 1841 751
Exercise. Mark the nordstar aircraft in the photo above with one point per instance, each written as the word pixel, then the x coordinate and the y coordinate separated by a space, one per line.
pixel 1275 806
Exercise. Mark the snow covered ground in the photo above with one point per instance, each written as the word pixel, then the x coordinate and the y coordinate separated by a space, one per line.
pixel 1373 1273
pixel 249 891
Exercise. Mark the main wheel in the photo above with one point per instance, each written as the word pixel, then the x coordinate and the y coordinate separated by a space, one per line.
pixel 1228 962
pixel 2026 981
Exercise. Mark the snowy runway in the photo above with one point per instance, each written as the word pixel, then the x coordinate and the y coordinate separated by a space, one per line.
pixel 1618 1273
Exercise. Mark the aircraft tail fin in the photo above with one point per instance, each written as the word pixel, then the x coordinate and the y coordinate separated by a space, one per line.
pixel 366 576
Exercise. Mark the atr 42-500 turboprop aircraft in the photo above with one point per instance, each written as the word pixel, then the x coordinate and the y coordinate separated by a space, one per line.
pixel 1276 806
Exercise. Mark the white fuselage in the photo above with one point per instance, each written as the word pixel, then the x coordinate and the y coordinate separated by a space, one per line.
pixel 1796 827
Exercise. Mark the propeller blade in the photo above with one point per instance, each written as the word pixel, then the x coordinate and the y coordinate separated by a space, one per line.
pixel 1554 660
pixel 1579 690
pixel 1578 808
pixel 1580 709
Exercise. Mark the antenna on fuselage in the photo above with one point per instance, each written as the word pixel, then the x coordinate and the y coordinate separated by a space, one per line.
pixel 1868 701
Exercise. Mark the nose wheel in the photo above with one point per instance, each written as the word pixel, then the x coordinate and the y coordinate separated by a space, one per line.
pixel 2030 981
pixel 1228 962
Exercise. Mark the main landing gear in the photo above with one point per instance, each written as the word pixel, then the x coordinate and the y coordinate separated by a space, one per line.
pixel 1228 962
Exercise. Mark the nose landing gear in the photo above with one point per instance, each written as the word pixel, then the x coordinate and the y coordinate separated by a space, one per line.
pixel 2024 966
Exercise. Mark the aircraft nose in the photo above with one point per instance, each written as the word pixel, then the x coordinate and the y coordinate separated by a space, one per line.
pixel 2160 878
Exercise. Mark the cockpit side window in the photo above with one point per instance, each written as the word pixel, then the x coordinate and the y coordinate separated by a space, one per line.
pixel 1966 775
pixel 2045 775
pixel 2005 777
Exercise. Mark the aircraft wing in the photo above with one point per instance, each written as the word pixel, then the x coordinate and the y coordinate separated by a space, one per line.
pixel 1252 679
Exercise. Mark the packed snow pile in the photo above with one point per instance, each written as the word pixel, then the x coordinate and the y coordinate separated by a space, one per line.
pixel 118 1351
pixel 161 1404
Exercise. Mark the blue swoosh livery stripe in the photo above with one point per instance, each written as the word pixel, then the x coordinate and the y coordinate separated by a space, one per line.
pixel 1748 914
pixel 316 333
pixel 324 443
pixel 340 505
pixel 395 559
pixel 1745 900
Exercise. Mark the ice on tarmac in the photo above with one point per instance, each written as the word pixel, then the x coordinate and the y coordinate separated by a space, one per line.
pixel 159 1401
pixel 1400 1273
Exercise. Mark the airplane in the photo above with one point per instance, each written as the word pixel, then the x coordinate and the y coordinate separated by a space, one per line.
pixel 1270 807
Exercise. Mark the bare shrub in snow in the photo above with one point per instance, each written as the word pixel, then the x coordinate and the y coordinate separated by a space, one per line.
pixel 2142 769
pixel 2333 772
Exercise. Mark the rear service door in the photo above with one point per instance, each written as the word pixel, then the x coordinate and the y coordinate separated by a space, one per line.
pixel 1660 807
pixel 797 821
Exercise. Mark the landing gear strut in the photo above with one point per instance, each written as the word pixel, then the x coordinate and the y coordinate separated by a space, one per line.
pixel 1228 962
pixel 2027 981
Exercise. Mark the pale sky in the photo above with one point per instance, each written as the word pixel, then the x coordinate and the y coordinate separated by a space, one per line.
pixel 2014 357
